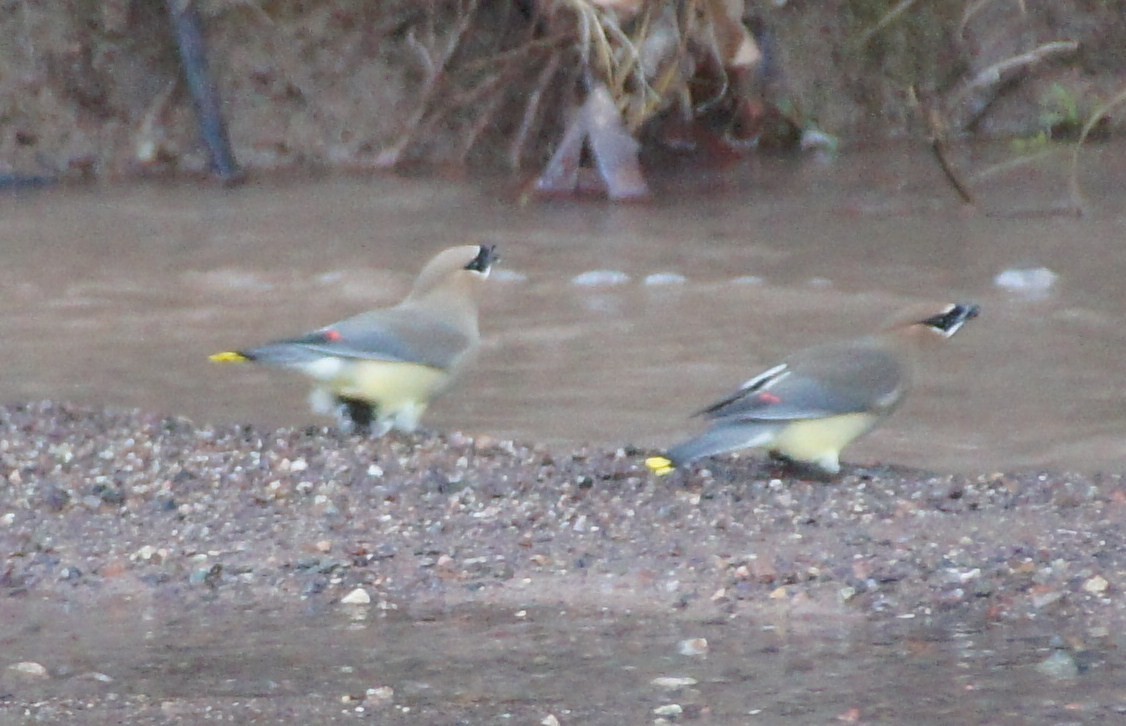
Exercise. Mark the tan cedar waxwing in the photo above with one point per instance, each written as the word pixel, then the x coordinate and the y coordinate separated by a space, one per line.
pixel 821 399
pixel 380 369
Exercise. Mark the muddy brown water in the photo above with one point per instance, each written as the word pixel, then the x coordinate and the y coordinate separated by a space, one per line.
pixel 115 295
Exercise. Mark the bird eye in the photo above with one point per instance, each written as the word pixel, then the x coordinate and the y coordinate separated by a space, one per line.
pixel 486 256
pixel 949 321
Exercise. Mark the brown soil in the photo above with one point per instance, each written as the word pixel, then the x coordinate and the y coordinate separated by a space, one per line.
pixel 93 88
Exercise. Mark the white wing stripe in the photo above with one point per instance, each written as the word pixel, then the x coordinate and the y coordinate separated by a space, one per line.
pixel 777 372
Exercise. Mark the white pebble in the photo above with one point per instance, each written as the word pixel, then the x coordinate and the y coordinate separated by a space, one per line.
pixel 359 596
pixel 673 682
pixel 1097 585
pixel 693 646
pixel 813 138
pixel 97 676
pixel 382 694
pixel 29 668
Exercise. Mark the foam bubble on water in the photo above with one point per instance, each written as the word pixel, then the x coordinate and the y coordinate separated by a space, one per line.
pixel 505 275
pixel 665 278
pixel 1030 281
pixel 600 278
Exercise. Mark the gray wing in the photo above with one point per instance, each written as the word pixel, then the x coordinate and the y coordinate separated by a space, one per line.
pixel 826 381
pixel 382 335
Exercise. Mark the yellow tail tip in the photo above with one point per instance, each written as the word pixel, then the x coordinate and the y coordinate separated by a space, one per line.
pixel 659 465
pixel 228 357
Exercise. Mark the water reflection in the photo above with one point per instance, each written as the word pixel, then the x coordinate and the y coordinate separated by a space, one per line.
pixel 581 667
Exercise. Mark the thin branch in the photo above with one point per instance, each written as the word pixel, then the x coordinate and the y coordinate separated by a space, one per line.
pixel 974 8
pixel 889 17
pixel 1016 163
pixel 936 129
pixel 485 114
pixel 435 73
pixel 977 93
pixel 1077 193
pixel 938 148
pixel 995 73
pixel 531 110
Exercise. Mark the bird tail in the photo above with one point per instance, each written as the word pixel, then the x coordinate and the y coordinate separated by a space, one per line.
pixel 718 440
pixel 230 356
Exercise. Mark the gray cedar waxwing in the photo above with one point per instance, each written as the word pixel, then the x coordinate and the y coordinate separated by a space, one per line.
pixel 383 367
pixel 821 399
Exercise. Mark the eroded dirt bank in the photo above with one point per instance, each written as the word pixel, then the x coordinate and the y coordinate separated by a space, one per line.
pixel 93 88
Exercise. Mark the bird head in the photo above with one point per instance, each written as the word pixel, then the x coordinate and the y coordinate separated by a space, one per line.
pixel 932 322
pixel 454 271
pixel 484 260
pixel 951 319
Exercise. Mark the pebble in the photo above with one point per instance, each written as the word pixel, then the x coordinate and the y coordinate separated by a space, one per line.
pixel 96 676
pixel 359 596
pixel 549 720
pixel 693 647
pixel 148 553
pixel 1060 665
pixel 379 696
pixel 672 683
pixel 668 710
pixel 29 668
pixel 1097 585
pixel 814 138
pixel 1042 598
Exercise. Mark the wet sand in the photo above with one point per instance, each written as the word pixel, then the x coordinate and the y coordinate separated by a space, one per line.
pixel 103 508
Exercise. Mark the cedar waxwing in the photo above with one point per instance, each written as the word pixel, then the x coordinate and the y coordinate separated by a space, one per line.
pixel 380 369
pixel 821 399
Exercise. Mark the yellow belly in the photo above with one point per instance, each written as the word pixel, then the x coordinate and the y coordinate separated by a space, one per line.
pixel 819 441
pixel 389 386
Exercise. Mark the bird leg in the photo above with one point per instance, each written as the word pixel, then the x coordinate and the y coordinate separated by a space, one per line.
pixel 806 471
pixel 355 416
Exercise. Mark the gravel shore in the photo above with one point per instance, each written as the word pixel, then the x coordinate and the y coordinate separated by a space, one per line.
pixel 103 502
pixel 100 506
